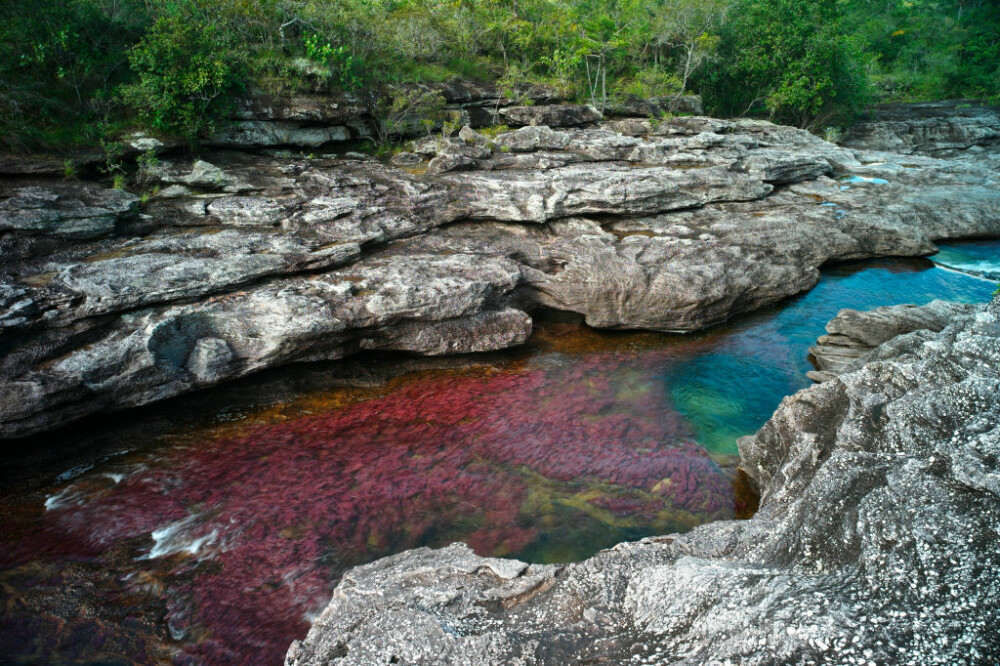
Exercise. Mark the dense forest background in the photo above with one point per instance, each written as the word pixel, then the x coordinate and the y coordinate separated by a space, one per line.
pixel 78 71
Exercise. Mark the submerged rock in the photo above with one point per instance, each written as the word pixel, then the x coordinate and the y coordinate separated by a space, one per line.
pixel 875 542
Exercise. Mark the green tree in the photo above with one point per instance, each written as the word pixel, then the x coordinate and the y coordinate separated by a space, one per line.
pixel 790 58
pixel 187 71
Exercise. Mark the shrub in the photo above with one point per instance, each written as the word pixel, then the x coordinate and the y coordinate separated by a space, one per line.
pixel 790 58
pixel 652 82
pixel 401 110
pixel 187 74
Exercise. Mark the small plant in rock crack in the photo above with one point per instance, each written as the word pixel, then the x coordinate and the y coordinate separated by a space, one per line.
pixel 147 167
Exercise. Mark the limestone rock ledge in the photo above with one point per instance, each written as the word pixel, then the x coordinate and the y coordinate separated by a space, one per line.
pixel 851 335
pixel 875 542
pixel 243 262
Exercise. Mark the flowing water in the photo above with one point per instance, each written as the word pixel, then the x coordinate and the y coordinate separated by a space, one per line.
pixel 212 528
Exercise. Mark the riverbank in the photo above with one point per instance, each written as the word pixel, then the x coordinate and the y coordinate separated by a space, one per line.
pixel 108 302
pixel 251 263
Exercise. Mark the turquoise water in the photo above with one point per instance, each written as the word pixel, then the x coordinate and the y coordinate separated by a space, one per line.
pixel 731 389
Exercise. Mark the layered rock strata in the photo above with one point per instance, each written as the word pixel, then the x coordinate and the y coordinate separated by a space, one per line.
pixel 931 128
pixel 875 542
pixel 310 121
pixel 244 262
pixel 851 335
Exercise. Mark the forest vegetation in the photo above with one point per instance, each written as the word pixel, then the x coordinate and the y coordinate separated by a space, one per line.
pixel 78 71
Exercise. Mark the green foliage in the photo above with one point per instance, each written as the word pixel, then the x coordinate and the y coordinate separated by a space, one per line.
pixel 401 110
pixel 339 61
pixel 493 131
pixel 67 67
pixel 187 71
pixel 59 65
pixel 930 50
pixel 147 165
pixel 790 58
pixel 114 164
pixel 652 82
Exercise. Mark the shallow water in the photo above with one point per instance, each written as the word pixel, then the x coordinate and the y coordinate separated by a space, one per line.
pixel 982 258
pixel 212 528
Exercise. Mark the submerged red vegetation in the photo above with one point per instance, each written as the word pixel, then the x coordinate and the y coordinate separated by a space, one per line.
pixel 251 531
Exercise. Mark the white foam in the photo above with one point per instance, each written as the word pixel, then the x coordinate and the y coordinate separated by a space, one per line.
pixel 74 472
pixel 177 537
pixel 965 273
pixel 979 265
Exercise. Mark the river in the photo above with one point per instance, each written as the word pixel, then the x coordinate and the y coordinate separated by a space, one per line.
pixel 212 528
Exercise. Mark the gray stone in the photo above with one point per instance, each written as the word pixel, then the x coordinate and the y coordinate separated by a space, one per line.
pixel 851 335
pixel 448 163
pixel 246 211
pixel 169 268
pixel 203 176
pixel 71 211
pixel 154 353
pixel 643 107
pixel 266 133
pixel 551 115
pixel 587 189
pixel 406 159
pixel 927 128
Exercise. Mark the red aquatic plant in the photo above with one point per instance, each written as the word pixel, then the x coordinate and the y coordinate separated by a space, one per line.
pixel 247 534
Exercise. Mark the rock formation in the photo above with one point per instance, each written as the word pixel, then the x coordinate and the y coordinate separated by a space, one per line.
pixel 851 335
pixel 875 542
pixel 311 121
pixel 930 128
pixel 244 262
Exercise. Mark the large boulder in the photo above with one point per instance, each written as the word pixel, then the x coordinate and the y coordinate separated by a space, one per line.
pixel 875 542
pixel 422 304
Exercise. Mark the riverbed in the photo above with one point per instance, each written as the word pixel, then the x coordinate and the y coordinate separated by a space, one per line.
pixel 212 528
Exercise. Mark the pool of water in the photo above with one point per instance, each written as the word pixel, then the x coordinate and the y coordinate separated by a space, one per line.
pixel 213 528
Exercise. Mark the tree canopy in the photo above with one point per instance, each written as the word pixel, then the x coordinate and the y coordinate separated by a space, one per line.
pixel 85 67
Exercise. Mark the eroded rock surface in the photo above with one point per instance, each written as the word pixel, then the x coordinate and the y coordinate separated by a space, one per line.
pixel 927 129
pixel 551 115
pixel 71 211
pixel 670 225
pixel 875 542
pixel 851 335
